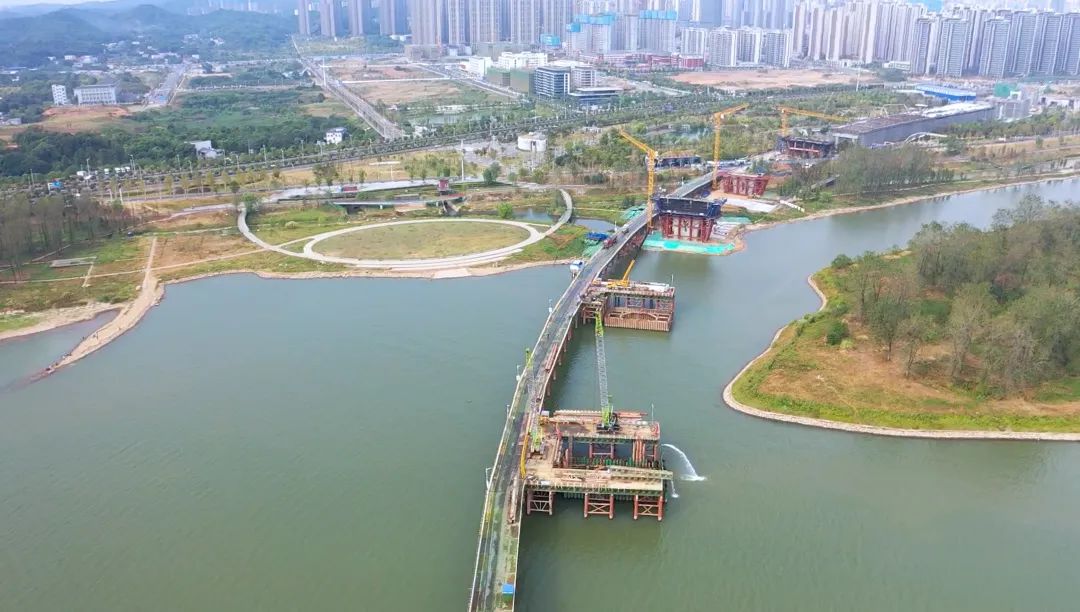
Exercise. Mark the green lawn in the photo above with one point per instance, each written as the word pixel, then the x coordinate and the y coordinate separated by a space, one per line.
pixel 422 240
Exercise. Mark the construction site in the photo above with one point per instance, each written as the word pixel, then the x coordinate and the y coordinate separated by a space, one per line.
pixel 600 456
pixel 705 215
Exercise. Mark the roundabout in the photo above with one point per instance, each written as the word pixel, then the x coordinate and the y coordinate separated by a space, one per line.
pixel 410 255
pixel 410 241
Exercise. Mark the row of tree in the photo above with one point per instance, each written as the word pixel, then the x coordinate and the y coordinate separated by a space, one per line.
pixel 858 170
pixel 1005 302
pixel 32 227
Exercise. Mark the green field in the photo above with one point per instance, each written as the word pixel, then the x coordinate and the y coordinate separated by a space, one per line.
pixel 422 240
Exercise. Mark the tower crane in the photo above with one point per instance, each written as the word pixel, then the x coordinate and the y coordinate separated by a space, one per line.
pixel 718 118
pixel 608 420
pixel 787 110
pixel 650 155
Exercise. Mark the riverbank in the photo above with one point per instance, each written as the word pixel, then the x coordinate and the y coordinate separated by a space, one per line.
pixel 739 382
pixel 913 199
pixel 154 291
pixel 56 318
pixel 122 324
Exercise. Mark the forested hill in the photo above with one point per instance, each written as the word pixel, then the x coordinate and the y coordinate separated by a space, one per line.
pixel 30 41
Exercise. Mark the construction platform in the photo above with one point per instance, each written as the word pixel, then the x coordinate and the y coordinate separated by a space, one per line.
pixel 574 454
pixel 630 304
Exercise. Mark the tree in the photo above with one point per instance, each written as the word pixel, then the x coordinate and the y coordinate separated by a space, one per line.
pixel 251 202
pixel 890 309
pixel 325 172
pixel 971 310
pixel 491 174
pixel 915 331
pixel 505 210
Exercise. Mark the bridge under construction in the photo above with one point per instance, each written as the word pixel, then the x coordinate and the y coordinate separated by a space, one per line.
pixel 598 457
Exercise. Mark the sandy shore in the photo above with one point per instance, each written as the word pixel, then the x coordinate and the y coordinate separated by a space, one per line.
pixel 944 434
pixel 60 317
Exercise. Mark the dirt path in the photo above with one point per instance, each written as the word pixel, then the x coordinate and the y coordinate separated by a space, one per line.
pixel 150 293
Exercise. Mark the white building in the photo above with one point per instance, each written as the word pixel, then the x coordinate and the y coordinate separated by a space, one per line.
pixel 95 94
pixel 581 74
pixel 722 50
pixel 533 142
pixel 336 135
pixel 478 65
pixel 59 95
pixel 694 41
pixel 204 149
pixel 526 60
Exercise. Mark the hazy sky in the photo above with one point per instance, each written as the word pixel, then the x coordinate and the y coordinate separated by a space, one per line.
pixel 6 3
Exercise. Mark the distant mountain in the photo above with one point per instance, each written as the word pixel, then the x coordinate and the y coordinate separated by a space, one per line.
pixel 30 40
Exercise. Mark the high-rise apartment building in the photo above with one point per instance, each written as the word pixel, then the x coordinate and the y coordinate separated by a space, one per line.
pixel 457 23
pixel 1048 33
pixel 952 47
pixel 485 19
pixel 657 30
pixel 393 17
pixel 626 35
pixel 328 18
pixel 525 21
pixel 694 42
pixel 426 20
pixel 1021 58
pixel 749 45
pixel 722 49
pixel 303 15
pixel 555 15
pixel 358 13
pixel 1069 47
pixel 922 45
pixel 776 48
pixel 994 48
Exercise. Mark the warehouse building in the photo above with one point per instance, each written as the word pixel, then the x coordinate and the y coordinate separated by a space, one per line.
pixel 877 131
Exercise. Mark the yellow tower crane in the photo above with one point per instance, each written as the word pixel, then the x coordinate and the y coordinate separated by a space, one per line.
pixel 718 118
pixel 650 155
pixel 787 110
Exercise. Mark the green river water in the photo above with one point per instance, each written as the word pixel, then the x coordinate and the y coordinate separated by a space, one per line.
pixel 321 445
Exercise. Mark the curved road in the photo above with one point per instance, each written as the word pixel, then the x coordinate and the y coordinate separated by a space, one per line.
pixel 442 263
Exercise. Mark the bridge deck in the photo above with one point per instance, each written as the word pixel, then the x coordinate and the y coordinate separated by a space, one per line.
pixel 495 572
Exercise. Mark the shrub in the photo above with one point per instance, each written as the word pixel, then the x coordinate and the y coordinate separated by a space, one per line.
pixel 841 261
pixel 838 331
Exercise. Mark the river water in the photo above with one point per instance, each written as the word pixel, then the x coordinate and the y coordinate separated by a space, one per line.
pixel 320 445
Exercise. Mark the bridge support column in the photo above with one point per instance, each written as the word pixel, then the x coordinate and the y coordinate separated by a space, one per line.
pixel 596 503
pixel 540 501
pixel 647 505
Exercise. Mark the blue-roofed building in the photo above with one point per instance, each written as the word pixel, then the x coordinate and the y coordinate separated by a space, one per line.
pixel 949 94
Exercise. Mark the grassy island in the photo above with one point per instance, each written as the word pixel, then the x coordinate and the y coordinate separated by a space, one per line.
pixel 963 330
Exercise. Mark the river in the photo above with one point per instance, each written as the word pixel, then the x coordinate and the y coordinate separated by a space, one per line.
pixel 320 444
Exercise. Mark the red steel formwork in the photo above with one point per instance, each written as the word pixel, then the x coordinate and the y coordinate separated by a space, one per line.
pixel 743 184
pixel 680 227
